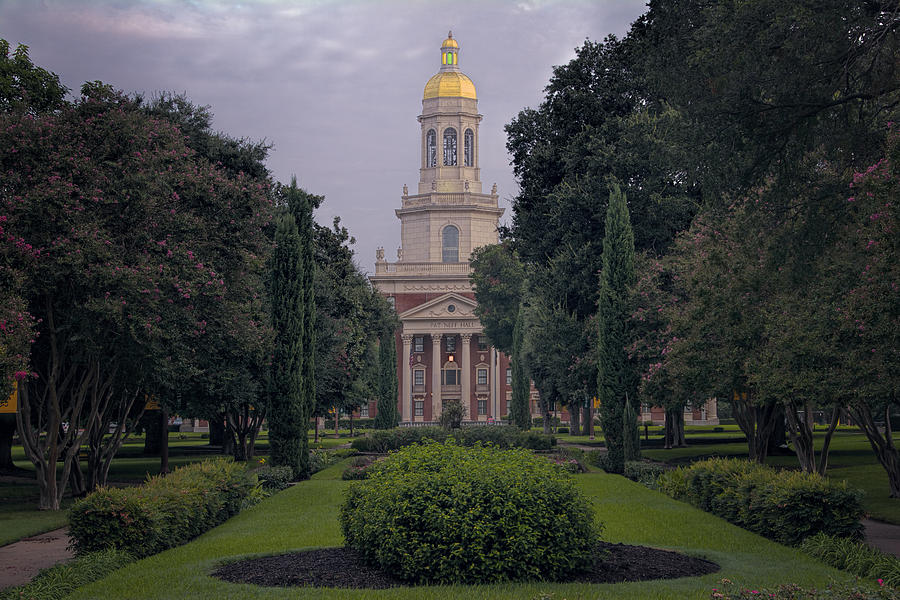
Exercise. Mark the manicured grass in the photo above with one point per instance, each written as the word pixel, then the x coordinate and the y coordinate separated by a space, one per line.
pixel 305 516
pixel 873 480
pixel 19 517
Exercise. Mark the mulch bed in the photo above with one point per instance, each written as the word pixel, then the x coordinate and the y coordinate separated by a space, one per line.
pixel 343 568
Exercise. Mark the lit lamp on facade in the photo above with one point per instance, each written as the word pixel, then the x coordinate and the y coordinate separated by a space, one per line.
pixel 450 358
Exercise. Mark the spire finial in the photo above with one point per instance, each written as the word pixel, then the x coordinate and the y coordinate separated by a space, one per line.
pixel 450 34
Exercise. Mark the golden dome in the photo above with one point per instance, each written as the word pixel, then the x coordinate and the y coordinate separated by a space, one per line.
pixel 450 42
pixel 451 84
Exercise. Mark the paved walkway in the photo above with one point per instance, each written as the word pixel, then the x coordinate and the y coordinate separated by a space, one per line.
pixel 884 536
pixel 22 560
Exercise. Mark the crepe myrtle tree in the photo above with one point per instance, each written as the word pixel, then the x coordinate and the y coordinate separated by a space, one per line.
pixel 114 212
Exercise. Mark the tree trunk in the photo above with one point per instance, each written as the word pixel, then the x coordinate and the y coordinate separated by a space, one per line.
pixel 164 441
pixel 7 429
pixel 882 443
pixel 826 443
pixel 586 418
pixel 337 416
pixel 316 434
pixel 351 423
pixel 153 433
pixel 800 431
pixel 757 423
pixel 217 430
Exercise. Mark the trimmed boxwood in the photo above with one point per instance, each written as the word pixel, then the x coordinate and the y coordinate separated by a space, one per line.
pixel 383 441
pixel 442 514
pixel 163 512
pixel 785 506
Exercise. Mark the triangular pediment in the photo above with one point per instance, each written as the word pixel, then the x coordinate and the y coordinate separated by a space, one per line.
pixel 448 306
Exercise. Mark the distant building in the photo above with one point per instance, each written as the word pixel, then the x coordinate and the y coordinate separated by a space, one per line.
pixel 442 351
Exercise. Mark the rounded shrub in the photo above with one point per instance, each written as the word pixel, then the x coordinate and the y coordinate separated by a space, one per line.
pixel 443 513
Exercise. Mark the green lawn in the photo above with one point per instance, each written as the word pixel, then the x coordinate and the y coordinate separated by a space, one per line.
pixel 19 516
pixel 305 516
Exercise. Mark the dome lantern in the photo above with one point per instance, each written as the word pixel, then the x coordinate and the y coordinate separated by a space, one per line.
pixel 449 81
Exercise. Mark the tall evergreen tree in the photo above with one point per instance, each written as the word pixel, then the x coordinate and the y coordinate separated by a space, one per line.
pixel 521 384
pixel 288 415
pixel 614 380
pixel 302 204
pixel 387 417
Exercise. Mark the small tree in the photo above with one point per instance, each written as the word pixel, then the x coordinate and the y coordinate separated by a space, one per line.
pixel 614 379
pixel 452 414
pixel 519 412
pixel 387 417
pixel 288 421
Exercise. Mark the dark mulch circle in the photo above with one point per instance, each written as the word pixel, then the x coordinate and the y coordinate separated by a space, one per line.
pixel 343 568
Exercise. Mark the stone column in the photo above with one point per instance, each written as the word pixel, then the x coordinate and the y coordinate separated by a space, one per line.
pixel 712 410
pixel 466 378
pixel 494 378
pixel 406 370
pixel 437 404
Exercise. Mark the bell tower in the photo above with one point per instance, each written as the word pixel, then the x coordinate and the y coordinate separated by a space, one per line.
pixel 442 352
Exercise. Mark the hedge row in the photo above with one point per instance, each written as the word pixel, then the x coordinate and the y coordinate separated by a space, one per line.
pixel 785 506
pixel 501 436
pixel 854 556
pixel 164 512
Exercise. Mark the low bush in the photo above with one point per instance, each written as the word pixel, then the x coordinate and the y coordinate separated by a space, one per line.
pixel 567 463
pixel 322 459
pixel 60 580
pixel 785 506
pixel 502 436
pixel 442 514
pixel 727 590
pixel 562 430
pixel 359 468
pixel 163 512
pixel 645 473
pixel 855 557
pixel 274 478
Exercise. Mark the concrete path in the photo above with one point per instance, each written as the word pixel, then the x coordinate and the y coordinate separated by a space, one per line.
pixel 20 561
pixel 884 536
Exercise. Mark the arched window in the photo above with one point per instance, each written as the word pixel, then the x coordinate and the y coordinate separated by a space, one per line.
pixel 450 244
pixel 470 148
pixel 450 373
pixel 430 149
pixel 449 147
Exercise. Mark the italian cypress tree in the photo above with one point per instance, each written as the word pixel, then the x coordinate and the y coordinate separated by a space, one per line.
pixel 301 204
pixel 521 384
pixel 287 421
pixel 616 277
pixel 387 417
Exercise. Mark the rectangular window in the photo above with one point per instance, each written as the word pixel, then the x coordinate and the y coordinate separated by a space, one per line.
pixel 418 377
pixel 482 406
pixel 449 377
pixel 451 343
pixel 418 343
pixel 482 343
pixel 419 408
pixel 482 377
pixel 508 375
pixel 364 410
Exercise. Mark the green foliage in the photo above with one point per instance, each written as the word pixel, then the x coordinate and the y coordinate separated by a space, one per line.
pixel 387 416
pixel 359 468
pixel 274 478
pixel 164 512
pixel 441 513
pixel 497 278
pixel 452 414
pixel 26 87
pixel 852 555
pixel 520 404
pixel 785 506
pixel 614 378
pixel 288 420
pixel 645 473
pixel 57 582
pixel 381 442
pixel 322 459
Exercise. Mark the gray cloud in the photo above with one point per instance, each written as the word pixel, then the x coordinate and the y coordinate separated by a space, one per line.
pixel 334 86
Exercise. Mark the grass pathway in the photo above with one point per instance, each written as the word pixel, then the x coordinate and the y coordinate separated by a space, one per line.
pixel 305 516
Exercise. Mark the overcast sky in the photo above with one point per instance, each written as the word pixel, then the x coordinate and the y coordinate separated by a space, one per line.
pixel 334 86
